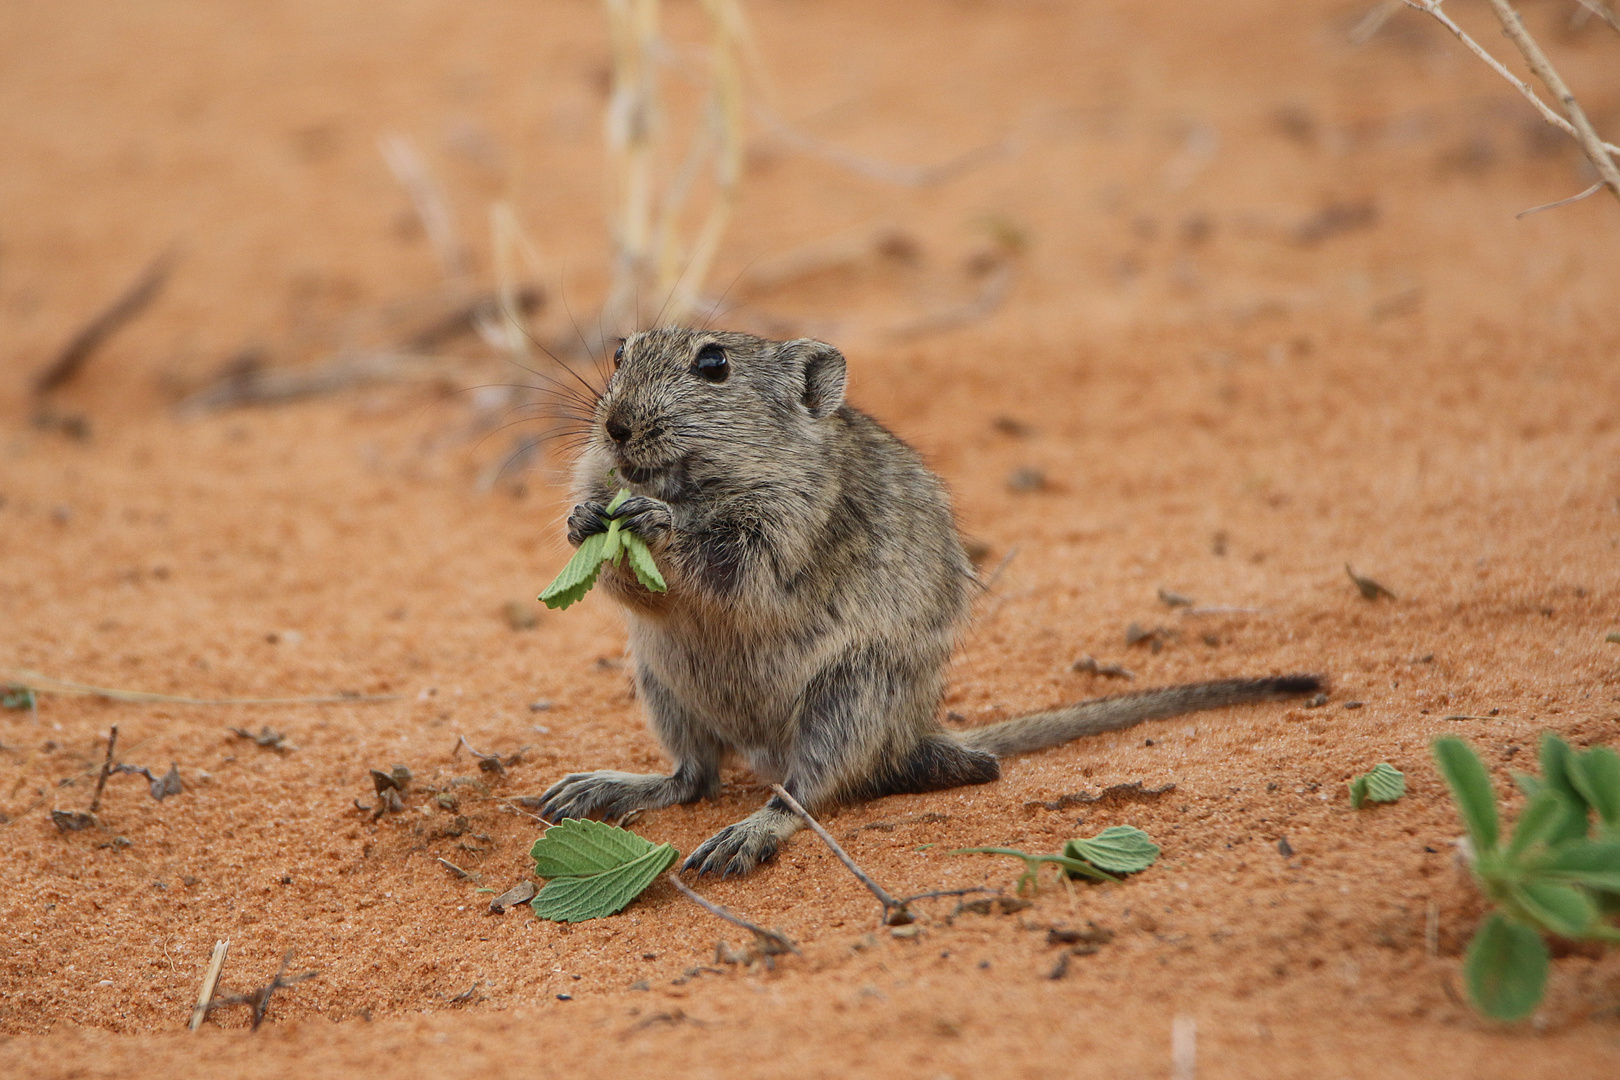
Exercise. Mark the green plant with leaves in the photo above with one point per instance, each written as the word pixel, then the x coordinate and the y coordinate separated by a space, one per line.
pixel 1384 783
pixel 1118 849
pixel 615 545
pixel 16 696
pixel 595 869
pixel 1558 873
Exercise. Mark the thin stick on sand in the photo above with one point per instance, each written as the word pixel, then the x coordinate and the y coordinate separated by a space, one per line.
pixel 106 770
pixel 106 323
pixel 44 684
pixel 894 912
pixel 771 942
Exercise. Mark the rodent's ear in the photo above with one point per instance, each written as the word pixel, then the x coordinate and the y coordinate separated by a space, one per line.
pixel 823 368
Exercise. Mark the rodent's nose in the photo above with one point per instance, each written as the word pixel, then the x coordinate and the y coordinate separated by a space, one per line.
pixel 617 430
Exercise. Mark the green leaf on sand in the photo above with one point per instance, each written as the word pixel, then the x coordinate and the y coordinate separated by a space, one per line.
pixel 1385 783
pixel 580 574
pixel 1118 849
pixel 1122 849
pixel 595 869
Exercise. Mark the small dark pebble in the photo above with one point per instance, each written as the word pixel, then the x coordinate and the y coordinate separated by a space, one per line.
pixel 565 997
pixel 1091 935
pixel 1147 742
pixel 1026 480
pixel 1353 704
pixel 1284 848
pixel 539 706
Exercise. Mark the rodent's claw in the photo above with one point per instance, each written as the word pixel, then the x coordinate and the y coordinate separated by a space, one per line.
pixel 604 794
pixel 585 520
pixel 734 851
pixel 647 518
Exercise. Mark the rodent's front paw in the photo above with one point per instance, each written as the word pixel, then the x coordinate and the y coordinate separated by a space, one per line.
pixel 647 518
pixel 734 850
pixel 605 794
pixel 586 520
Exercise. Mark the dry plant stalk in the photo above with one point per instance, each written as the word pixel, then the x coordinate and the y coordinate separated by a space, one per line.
pixel 1576 125
pixel 210 980
pixel 651 262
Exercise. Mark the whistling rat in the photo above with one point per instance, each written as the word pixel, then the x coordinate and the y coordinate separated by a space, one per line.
pixel 816 586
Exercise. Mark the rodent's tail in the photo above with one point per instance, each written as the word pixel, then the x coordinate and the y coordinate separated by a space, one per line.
pixel 1040 730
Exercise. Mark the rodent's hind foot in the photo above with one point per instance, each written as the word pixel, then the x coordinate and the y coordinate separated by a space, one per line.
pixel 741 848
pixel 608 795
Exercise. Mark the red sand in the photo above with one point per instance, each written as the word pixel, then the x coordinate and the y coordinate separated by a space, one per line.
pixel 1428 393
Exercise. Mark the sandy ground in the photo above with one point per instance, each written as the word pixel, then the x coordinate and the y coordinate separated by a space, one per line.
pixel 1273 313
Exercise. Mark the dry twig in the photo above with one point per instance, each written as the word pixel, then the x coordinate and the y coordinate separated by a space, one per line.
pixel 491 763
pixel 991 293
pixel 405 161
pixel 894 911
pixel 1577 126
pixel 44 684
pixel 259 1000
pixel 1596 150
pixel 254 385
pixel 1602 10
pixel 210 979
pixel 106 770
pixel 771 942
pixel 914 176
pixel 134 300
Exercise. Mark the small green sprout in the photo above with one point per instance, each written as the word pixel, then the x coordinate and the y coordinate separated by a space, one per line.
pixel 1385 783
pixel 1558 873
pixel 1121 849
pixel 16 696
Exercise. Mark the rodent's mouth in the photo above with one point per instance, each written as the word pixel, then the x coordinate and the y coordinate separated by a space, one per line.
pixel 666 481
pixel 641 476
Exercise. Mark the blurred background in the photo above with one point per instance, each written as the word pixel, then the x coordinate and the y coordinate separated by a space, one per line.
pixel 339 181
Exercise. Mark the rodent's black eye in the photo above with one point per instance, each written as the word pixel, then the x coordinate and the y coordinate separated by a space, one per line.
pixel 711 363
pixel 618 355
